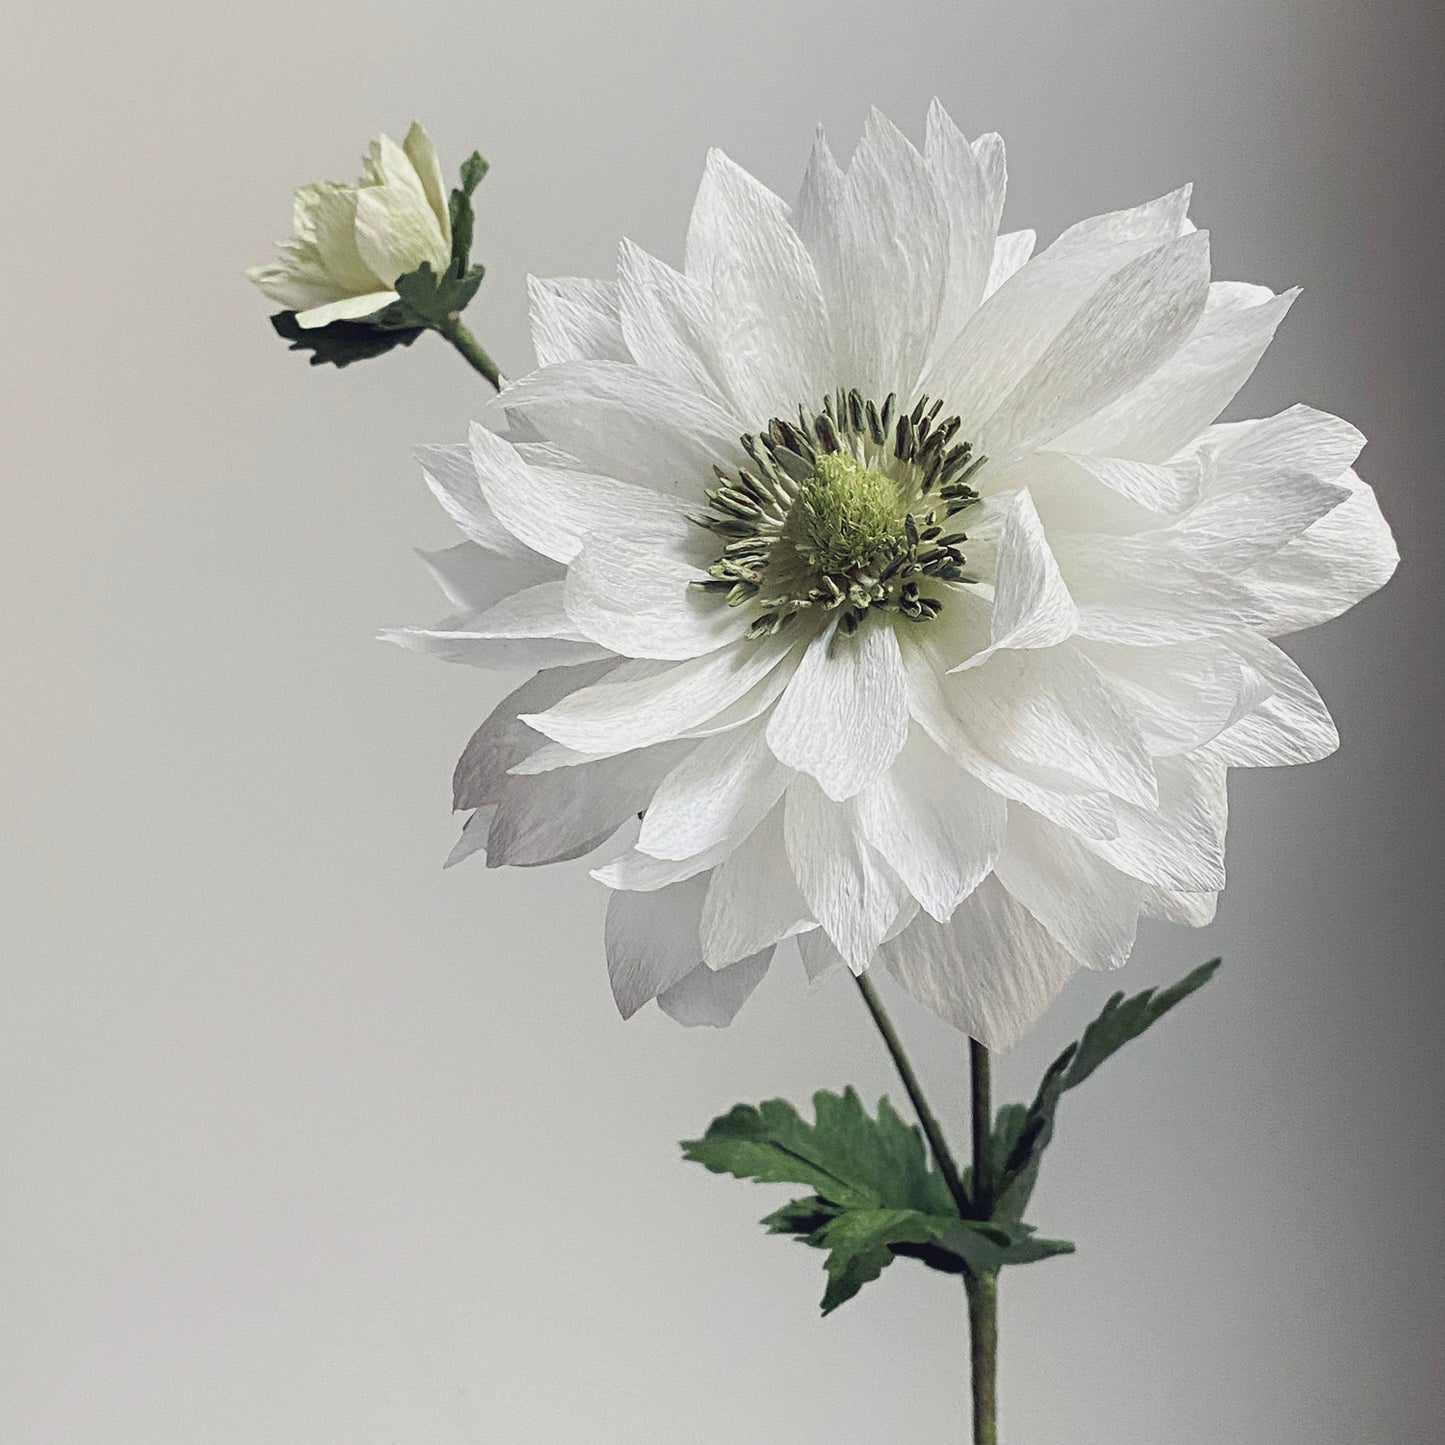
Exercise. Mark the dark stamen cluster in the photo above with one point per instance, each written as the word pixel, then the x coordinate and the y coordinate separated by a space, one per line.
pixel 883 543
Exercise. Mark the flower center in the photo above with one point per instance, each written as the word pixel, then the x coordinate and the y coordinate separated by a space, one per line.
pixel 845 515
pixel 844 510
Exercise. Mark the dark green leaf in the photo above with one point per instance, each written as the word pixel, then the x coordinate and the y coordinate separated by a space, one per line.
pixel 1028 1136
pixel 460 207
pixel 858 1244
pixel 1124 1019
pixel 432 300
pixel 848 1158
pixel 801 1216
pixel 1031 1248
pixel 343 342
pixel 863 1242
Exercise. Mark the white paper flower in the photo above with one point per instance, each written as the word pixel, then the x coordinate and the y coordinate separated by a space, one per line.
pixel 899 581
pixel 350 243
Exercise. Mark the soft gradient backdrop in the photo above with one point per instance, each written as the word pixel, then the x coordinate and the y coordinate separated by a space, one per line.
pixel 305 1142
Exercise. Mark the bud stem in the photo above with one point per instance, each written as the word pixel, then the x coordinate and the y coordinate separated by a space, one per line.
pixel 471 349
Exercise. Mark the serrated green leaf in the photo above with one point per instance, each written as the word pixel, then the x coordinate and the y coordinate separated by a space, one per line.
pixel 1122 1019
pixel 772 1145
pixel 1031 1248
pixel 460 207
pixel 342 342
pixel 986 1246
pixel 801 1216
pixel 851 1160
pixel 1126 1018
pixel 859 1247
pixel 863 1242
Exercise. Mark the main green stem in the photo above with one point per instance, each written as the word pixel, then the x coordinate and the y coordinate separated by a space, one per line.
pixel 936 1142
pixel 471 349
pixel 982 1288
pixel 982 1113
pixel 983 1355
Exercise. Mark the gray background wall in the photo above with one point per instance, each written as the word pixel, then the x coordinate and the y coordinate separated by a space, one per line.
pixel 305 1142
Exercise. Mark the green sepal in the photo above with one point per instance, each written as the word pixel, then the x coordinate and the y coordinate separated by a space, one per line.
pixel 432 300
pixel 462 217
pixel 341 342
pixel 1020 1135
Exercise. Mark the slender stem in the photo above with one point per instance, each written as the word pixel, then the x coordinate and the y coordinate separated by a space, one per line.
pixel 982 1288
pixel 931 1131
pixel 983 1354
pixel 471 349
pixel 982 1110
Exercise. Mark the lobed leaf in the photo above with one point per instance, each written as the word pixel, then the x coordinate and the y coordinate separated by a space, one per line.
pixel 1027 1134
pixel 848 1158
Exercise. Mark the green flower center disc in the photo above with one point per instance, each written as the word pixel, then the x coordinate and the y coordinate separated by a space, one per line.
pixel 846 514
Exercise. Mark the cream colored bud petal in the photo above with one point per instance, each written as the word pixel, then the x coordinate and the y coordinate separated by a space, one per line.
pixel 291 287
pixel 427 164
pixel 392 169
pixel 396 231
pixel 334 218
pixel 303 212
pixel 349 308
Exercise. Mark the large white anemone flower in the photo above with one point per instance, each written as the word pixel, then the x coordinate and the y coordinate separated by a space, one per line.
pixel 900 582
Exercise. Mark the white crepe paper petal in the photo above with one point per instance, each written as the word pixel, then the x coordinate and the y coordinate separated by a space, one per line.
pixel 1164 412
pixel 1130 324
pixel 652 941
pixel 1031 603
pixel 555 511
pixel 712 997
pixel 639 602
pixel 503 740
pixel 717 795
pixel 770 328
pixel 1289 723
pixel 622 421
pixel 667 322
pixel 1064 800
pixel 844 714
pixel 1087 906
pixel 934 824
pixel 848 887
pixel 555 816
pixel 753 900
pixel 575 319
pixel 1179 844
pixel 991 970
pixel 648 703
